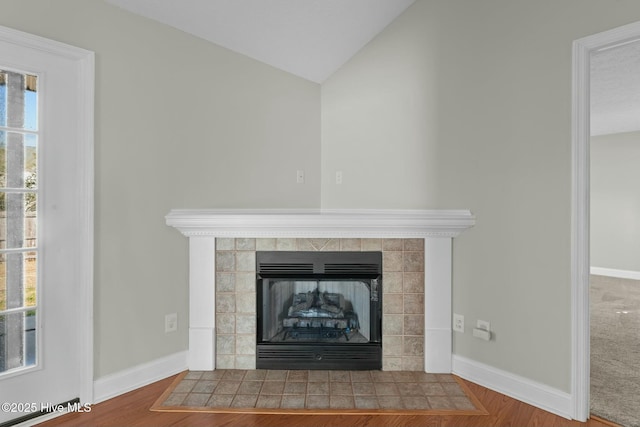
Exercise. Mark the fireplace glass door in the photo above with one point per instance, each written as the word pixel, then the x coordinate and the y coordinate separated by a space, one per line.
pixel 319 310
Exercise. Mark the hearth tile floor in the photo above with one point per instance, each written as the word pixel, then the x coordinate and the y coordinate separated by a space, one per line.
pixel 313 390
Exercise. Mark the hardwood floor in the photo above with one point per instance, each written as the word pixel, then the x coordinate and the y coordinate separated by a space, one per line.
pixel 132 410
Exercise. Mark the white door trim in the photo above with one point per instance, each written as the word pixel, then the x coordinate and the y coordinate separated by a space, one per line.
pixel 85 130
pixel 580 351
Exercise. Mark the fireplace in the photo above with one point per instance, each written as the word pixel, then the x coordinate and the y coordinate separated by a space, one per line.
pixel 437 228
pixel 319 310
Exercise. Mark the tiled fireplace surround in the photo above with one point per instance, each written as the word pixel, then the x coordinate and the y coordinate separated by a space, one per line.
pixel 417 260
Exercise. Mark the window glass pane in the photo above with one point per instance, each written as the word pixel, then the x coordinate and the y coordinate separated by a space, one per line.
pixel 3 98
pixel 18 220
pixel 30 278
pixel 31 104
pixel 17 340
pixel 18 160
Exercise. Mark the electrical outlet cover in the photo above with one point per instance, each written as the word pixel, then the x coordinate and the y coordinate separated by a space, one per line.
pixel 458 322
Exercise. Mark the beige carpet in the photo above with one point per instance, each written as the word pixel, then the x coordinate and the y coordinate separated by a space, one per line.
pixel 615 349
pixel 325 392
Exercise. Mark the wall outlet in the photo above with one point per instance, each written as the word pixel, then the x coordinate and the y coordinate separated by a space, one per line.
pixel 171 322
pixel 458 322
pixel 338 177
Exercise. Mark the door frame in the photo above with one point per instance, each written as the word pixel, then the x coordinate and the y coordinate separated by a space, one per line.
pixel 580 205
pixel 85 63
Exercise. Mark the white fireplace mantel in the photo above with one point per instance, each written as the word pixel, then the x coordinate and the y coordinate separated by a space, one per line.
pixel 437 227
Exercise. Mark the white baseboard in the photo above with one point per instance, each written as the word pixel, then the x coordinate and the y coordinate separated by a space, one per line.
pixel 612 272
pixel 517 387
pixel 138 376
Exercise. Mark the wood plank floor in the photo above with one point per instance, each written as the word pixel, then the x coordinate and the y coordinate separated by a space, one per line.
pixel 132 410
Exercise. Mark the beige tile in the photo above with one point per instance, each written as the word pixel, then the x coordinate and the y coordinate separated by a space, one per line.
pixel 194 375
pixel 351 245
pixel 390 402
pixel 392 324
pixel 245 323
pixel 245 244
pixel 392 346
pixel 414 402
pixel 363 389
pixel 319 375
pixel 371 244
pixel 205 386
pixel 414 325
pixel 339 376
pixel 250 387
pixel 245 261
pixel 392 363
pixel 414 303
pixel 393 304
pixel 225 244
pixel 246 302
pixel 225 261
pixel 439 402
pixel 268 401
pixel 404 377
pixel 196 399
pixel 304 245
pixel 234 375
pixel 227 387
pixel 286 244
pixel 175 399
pixel 332 245
pixel 220 400
pixel 412 363
pixel 386 389
pixel 338 388
pixel 185 386
pixel 413 282
pixel 256 375
pixel 315 387
pixel 317 244
pixel 413 244
pixel 225 344
pixel 265 244
pixel 295 387
pixel 413 261
pixel 245 282
pixel 226 323
pixel 292 401
pixel 413 346
pixel 246 344
pixel 391 282
pixel 225 282
pixel 317 402
pixel 244 401
pixel 433 389
pixel 409 389
pixel 391 244
pixel 298 375
pixel 341 402
pixel 225 303
pixel 245 361
pixel 276 375
pixel 361 376
pixel 225 361
pixel 392 261
pixel 366 402
pixel 453 389
pixel 462 403
pixel 272 387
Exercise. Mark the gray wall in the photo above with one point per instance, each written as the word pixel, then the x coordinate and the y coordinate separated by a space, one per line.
pixel 467 104
pixel 179 123
pixel 615 201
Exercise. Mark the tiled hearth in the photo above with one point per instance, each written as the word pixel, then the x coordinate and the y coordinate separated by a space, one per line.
pixel 417 263
pixel 403 296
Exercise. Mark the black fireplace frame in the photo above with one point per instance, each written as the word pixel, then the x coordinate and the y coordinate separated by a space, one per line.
pixel 363 266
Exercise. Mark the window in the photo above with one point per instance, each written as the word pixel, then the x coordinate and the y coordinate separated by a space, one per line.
pixel 18 220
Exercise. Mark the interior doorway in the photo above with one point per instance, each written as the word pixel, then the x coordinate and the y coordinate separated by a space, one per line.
pixel 580 211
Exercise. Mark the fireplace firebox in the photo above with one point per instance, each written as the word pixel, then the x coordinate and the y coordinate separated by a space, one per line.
pixel 319 310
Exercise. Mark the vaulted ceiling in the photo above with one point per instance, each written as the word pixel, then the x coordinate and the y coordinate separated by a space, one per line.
pixel 314 38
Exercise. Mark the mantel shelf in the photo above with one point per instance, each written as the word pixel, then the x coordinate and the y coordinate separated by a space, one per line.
pixel 320 223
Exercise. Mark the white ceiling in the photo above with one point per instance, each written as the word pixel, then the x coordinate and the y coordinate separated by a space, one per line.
pixel 308 38
pixel 615 90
